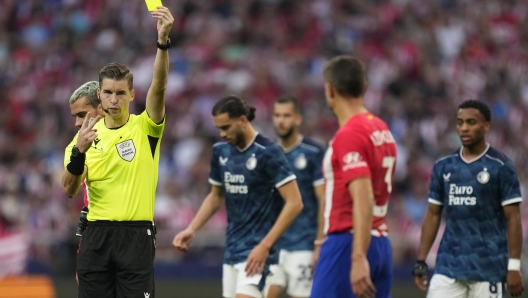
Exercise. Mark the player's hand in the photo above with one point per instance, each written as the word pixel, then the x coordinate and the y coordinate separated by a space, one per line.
pixel 362 286
pixel 256 260
pixel 86 133
pixel 515 283
pixel 165 21
pixel 421 273
pixel 316 252
pixel 183 239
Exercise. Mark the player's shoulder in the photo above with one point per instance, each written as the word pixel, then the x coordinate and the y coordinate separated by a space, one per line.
pixel 220 147
pixel 311 146
pixel 495 155
pixel 452 156
pixel 264 142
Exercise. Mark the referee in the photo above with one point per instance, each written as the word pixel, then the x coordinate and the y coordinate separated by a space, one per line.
pixel 119 158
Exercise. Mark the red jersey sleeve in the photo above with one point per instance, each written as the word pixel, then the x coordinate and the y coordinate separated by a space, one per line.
pixel 351 152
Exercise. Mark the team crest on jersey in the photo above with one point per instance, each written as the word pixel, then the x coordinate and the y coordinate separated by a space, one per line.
pixel 251 163
pixel 300 162
pixel 483 176
pixel 126 150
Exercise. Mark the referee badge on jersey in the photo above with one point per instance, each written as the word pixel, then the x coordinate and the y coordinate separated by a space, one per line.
pixel 251 163
pixel 483 176
pixel 300 162
pixel 126 150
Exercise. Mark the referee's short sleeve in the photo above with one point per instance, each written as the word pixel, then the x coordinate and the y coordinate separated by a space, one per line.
pixel 150 127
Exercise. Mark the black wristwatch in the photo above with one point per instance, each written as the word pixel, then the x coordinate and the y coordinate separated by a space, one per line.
pixel 76 152
pixel 164 47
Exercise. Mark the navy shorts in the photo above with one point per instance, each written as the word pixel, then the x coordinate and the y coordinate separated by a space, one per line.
pixel 332 273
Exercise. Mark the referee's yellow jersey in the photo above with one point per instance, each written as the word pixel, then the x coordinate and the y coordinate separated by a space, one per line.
pixel 122 169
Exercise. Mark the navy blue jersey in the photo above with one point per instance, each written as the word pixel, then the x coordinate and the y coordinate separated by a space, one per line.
pixel 473 194
pixel 250 178
pixel 305 159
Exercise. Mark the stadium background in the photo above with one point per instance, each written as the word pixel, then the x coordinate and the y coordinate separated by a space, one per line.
pixel 423 59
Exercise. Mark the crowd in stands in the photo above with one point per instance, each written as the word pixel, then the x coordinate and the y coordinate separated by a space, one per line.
pixel 423 58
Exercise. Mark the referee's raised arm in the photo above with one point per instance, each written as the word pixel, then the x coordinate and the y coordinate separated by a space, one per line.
pixel 156 95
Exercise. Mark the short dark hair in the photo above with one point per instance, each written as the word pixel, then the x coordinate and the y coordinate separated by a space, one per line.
pixel 284 99
pixel 235 107
pixel 116 71
pixel 347 75
pixel 481 106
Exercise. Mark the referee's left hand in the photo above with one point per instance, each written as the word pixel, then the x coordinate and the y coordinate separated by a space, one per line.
pixel 165 21
pixel 515 284
pixel 256 260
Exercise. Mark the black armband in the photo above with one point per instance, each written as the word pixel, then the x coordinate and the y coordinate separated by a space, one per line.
pixel 76 164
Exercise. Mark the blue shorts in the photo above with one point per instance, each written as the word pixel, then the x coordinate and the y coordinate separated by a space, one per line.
pixel 332 273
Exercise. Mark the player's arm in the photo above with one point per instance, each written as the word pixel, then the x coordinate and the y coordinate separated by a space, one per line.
pixel 319 194
pixel 430 225
pixel 292 207
pixel 514 279
pixel 76 169
pixel 71 184
pixel 214 200
pixel 156 95
pixel 361 191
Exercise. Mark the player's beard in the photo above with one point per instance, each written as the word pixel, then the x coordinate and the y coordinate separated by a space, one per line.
pixel 240 140
pixel 287 134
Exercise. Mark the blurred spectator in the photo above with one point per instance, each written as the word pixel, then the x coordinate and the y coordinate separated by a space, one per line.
pixel 423 59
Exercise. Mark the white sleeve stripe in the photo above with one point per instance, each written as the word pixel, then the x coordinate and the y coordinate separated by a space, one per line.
pixel 433 201
pixel 318 182
pixel 512 201
pixel 214 182
pixel 285 180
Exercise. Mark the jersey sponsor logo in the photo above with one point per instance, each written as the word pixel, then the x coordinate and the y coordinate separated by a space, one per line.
pixel 381 137
pixel 353 160
pixel 231 182
pixel 461 195
pixel 96 141
pixel 223 160
pixel 446 177
pixel 126 150
pixel 251 163
pixel 300 162
pixel 483 176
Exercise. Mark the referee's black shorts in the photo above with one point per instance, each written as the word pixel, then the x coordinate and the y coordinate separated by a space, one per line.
pixel 116 260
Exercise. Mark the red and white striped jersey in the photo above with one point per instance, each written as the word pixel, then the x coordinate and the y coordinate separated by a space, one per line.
pixel 362 148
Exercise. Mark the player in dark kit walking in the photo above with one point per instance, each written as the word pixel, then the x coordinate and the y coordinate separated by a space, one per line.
pixel 298 253
pixel 479 189
pixel 119 158
pixel 250 174
pixel 356 258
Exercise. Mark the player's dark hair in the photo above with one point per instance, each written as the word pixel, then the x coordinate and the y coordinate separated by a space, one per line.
pixel 347 75
pixel 284 99
pixel 481 106
pixel 234 107
pixel 116 71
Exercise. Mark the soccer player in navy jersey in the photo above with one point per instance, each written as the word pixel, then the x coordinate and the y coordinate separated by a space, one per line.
pixel 250 174
pixel 356 257
pixel 479 189
pixel 298 253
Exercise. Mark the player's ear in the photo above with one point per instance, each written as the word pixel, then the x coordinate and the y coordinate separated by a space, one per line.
pixel 132 93
pixel 299 119
pixel 329 90
pixel 99 93
pixel 487 126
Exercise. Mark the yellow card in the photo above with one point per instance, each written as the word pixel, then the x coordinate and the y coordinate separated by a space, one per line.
pixel 153 4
